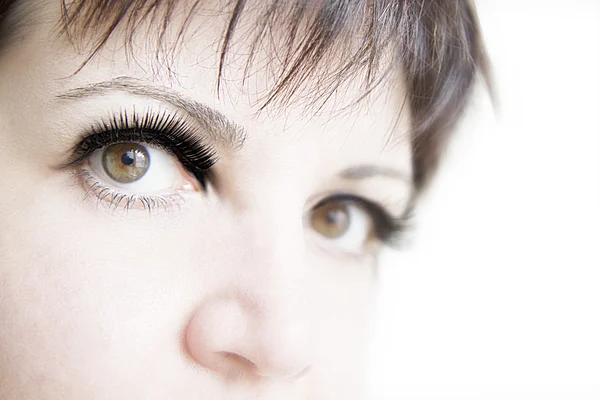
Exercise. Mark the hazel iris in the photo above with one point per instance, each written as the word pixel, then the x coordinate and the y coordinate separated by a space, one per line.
pixel 331 220
pixel 125 162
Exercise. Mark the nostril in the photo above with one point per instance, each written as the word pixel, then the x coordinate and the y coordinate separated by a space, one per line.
pixel 236 359
pixel 284 376
pixel 235 366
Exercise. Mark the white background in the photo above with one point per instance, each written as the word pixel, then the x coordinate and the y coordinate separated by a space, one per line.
pixel 498 296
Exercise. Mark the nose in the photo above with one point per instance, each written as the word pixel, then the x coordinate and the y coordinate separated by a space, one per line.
pixel 237 334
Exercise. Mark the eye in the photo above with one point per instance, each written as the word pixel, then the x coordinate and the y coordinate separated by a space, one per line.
pixel 143 161
pixel 345 223
pixel 136 168
pixel 356 225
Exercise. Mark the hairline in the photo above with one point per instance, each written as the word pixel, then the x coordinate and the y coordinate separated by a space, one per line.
pixel 17 17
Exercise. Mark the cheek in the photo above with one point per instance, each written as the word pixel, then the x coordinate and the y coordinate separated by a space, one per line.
pixel 345 309
pixel 75 293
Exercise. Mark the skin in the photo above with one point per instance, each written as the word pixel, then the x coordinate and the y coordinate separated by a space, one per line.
pixel 229 295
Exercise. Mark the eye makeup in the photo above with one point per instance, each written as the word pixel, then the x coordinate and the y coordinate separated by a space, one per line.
pixel 164 131
pixel 386 228
pixel 167 131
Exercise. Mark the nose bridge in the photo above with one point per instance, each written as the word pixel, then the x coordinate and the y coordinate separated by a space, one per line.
pixel 259 320
pixel 274 260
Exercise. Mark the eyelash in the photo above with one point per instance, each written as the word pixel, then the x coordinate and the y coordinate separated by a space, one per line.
pixel 118 199
pixel 389 229
pixel 170 132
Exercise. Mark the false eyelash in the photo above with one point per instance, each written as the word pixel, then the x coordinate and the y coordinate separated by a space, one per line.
pixel 169 131
pixel 114 199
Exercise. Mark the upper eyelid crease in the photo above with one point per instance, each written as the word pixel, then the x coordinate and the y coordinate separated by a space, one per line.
pixel 220 129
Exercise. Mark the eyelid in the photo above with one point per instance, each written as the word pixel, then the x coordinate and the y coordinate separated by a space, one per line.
pixel 166 130
pixel 114 199
pixel 388 228
pixel 158 128
pixel 345 197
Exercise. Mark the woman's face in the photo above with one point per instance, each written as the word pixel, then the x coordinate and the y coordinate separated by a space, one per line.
pixel 128 271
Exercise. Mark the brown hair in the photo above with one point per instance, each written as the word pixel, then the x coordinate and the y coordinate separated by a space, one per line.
pixel 434 44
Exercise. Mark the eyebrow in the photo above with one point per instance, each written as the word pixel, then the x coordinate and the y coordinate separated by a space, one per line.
pixel 366 171
pixel 215 124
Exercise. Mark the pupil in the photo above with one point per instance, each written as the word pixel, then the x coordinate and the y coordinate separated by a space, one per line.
pixel 128 158
pixel 332 217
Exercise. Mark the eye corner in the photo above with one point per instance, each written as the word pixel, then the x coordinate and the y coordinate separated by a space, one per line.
pixel 397 229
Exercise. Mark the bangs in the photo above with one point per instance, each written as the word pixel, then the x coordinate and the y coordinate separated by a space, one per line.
pixel 326 41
